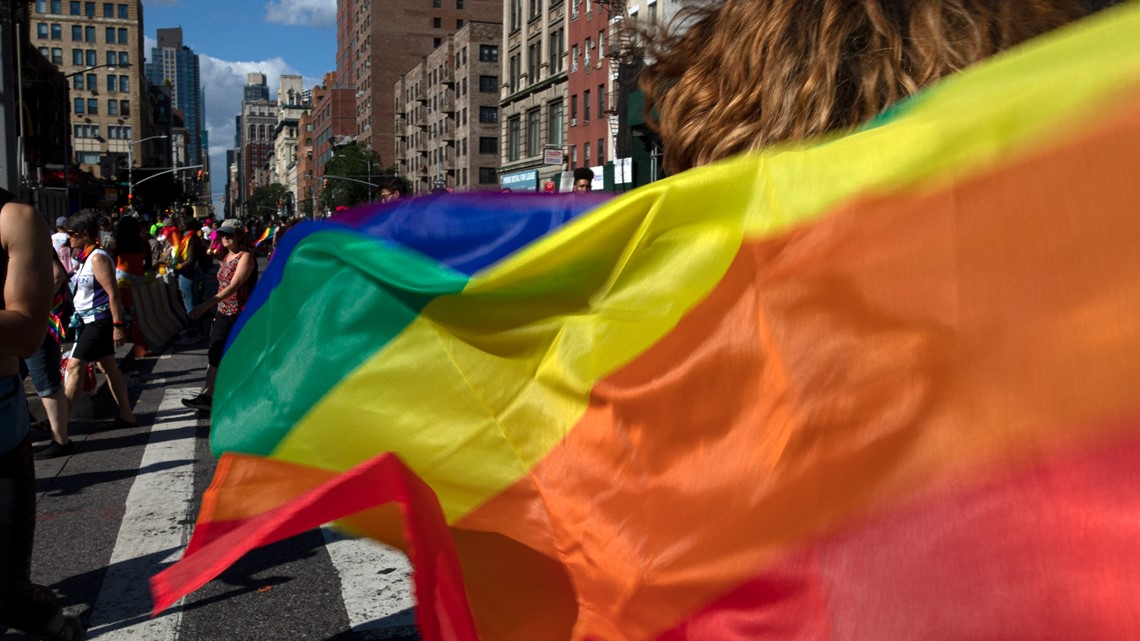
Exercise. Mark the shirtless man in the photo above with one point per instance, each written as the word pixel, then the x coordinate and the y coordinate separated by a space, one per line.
pixel 26 293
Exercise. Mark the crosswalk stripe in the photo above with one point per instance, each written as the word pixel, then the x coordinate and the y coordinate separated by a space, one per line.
pixel 155 527
pixel 375 582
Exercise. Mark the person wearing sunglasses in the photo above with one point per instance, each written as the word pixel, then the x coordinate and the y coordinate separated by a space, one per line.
pixel 236 277
pixel 102 324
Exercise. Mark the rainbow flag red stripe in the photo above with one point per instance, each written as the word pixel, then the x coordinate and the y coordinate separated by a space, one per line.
pixel 885 385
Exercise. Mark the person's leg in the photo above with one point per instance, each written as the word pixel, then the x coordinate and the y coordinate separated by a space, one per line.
pixel 73 382
pixel 208 387
pixel 118 385
pixel 23 604
pixel 48 381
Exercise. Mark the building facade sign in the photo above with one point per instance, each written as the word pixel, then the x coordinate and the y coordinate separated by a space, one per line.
pixel 526 180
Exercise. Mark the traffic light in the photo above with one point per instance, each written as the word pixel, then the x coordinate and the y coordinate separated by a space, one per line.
pixel 200 174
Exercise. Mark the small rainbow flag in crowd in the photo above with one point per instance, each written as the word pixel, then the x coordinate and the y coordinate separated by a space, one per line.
pixel 268 234
pixel 881 386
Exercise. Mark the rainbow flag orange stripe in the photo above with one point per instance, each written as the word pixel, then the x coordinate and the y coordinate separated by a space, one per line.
pixel 885 385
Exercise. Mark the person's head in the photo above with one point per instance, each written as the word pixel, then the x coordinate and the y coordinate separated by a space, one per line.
pixel 232 236
pixel 583 179
pixel 61 223
pixel 128 235
pixel 750 73
pixel 391 188
pixel 83 229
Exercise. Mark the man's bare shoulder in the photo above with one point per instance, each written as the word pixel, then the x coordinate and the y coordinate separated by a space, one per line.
pixel 19 222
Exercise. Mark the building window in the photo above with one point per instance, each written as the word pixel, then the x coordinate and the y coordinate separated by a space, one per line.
pixel 601 44
pixel 436 4
pixel 56 56
pixel 459 4
pixel 125 107
pixel 111 58
pixel 112 107
pixel 488 53
pixel 513 133
pixel 535 9
pixel 92 81
pixel 458 24
pixel 488 145
pixel 108 9
pixel 91 58
pixel 109 35
pixel 533 137
pixel 586 54
pixel 574 110
pixel 601 100
pixel 435 42
pixel 488 84
pixel 76 33
pixel 487 175
pixel 488 114
pixel 89 34
pixel 76 8
pixel 92 106
pixel 437 22
pixel 515 71
pixel 573 156
pixel 124 59
pixel 574 59
pixel 112 84
pixel 554 123
pixel 79 106
pixel 123 12
pixel 42 30
pixel 77 80
pixel 57 32
pixel 86 131
pixel 41 6
pixel 586 106
pixel 533 60
pixel 556 50
pixel 77 58
pixel 56 7
pixel 586 154
pixel 123 36
pixel 125 84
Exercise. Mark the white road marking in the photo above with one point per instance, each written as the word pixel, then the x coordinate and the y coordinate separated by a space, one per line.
pixel 155 528
pixel 375 583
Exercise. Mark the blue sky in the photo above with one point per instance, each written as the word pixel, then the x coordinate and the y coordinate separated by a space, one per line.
pixel 235 37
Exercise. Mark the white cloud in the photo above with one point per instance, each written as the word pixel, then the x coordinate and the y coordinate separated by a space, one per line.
pixel 224 84
pixel 308 13
pixel 148 45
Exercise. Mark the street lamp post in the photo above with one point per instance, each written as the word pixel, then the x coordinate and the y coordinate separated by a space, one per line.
pixel 131 166
pixel 71 130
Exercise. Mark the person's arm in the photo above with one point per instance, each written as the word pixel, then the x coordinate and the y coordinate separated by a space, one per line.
pixel 27 291
pixel 58 273
pixel 241 275
pixel 104 271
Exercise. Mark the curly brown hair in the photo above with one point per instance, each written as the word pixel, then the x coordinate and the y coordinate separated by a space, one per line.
pixel 749 73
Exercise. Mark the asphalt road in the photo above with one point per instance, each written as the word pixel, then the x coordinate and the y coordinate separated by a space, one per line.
pixel 123 506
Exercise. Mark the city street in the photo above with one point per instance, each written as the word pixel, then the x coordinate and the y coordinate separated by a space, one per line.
pixel 123 507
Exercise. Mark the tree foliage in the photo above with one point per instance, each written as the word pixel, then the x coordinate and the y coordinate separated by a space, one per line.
pixel 347 172
pixel 265 200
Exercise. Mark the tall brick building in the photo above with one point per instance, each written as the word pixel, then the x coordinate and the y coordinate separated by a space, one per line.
pixel 387 39
pixel 443 137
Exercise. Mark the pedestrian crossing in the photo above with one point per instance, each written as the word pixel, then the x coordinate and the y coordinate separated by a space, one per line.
pixel 374 581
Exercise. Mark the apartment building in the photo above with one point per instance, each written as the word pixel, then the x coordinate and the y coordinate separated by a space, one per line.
pixel 533 94
pixel 258 121
pixel 589 87
pixel 388 40
pixel 99 47
pixel 447 125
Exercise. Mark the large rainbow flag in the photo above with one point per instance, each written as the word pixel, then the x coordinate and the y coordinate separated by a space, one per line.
pixel 881 386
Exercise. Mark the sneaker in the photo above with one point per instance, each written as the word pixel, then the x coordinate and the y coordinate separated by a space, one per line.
pixel 54 450
pixel 199 402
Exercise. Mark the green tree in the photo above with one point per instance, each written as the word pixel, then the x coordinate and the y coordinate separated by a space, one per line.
pixel 264 201
pixel 347 174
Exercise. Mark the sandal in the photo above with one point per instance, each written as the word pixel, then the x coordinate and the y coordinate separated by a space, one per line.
pixel 119 423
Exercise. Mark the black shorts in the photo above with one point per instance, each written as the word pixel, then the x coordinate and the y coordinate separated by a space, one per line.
pixel 219 332
pixel 96 340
